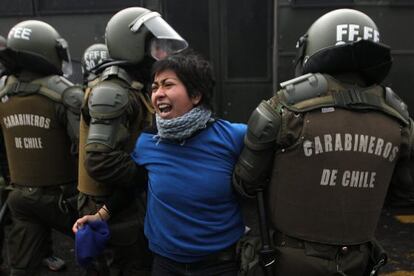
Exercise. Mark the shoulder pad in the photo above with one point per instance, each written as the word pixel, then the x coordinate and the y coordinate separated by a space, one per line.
pixel 53 87
pixel 395 102
pixel 72 98
pixel 56 83
pixel 3 81
pixel 116 71
pixel 8 82
pixel 262 127
pixel 304 87
pixel 107 100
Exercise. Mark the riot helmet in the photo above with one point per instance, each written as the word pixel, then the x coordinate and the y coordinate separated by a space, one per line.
pixel 344 40
pixel 39 47
pixel 92 60
pixel 7 58
pixel 134 33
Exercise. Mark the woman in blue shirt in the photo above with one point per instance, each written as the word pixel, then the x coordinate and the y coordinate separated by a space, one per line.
pixel 193 219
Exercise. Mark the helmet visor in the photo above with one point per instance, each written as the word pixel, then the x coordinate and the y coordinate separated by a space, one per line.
pixel 63 52
pixel 167 41
pixel 67 68
pixel 161 48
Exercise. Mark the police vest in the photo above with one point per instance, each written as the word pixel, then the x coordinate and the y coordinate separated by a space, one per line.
pixel 338 149
pixel 38 147
pixel 87 184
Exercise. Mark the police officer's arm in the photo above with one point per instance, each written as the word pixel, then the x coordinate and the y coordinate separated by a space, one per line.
pixel 70 113
pixel 115 167
pixel 116 202
pixel 113 204
pixel 4 176
pixel 405 171
pixel 4 165
pixel 252 168
pixel 110 111
pixel 121 198
pixel 401 189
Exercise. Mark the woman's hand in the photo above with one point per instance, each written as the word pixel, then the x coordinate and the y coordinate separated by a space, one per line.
pixel 102 214
pixel 85 219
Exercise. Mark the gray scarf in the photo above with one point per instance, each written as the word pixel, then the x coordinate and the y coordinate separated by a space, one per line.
pixel 182 127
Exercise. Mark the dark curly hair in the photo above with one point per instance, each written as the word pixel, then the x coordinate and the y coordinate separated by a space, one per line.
pixel 194 72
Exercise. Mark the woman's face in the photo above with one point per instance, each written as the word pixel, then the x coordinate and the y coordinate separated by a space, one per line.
pixel 169 96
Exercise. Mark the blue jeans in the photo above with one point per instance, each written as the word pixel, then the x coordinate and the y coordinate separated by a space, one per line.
pixel 163 266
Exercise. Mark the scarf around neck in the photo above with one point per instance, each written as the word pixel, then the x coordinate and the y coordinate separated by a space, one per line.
pixel 182 127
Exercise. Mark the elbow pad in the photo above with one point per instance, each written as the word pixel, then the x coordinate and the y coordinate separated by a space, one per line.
pixel 260 142
pixel 72 99
pixel 107 108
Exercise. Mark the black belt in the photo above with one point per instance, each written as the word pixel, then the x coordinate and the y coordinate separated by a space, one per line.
pixel 283 240
pixel 67 190
pixel 42 188
pixel 227 254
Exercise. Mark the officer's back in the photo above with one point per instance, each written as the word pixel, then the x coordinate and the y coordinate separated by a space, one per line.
pixel 39 112
pixel 328 143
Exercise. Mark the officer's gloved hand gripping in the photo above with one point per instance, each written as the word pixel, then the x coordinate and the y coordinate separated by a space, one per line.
pixel 252 169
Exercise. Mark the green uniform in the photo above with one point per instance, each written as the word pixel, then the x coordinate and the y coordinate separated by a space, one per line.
pixel 4 173
pixel 39 122
pixel 127 252
pixel 334 150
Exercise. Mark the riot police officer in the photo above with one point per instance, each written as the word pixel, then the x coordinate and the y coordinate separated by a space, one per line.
pixel 39 113
pixel 4 170
pixel 4 174
pixel 115 112
pixel 325 147
pixel 91 63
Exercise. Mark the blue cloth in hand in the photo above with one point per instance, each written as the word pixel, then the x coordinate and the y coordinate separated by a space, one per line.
pixel 90 241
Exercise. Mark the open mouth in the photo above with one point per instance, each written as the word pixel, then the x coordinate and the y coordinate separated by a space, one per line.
pixel 164 108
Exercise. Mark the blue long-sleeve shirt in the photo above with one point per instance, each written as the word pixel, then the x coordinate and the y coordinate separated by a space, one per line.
pixel 192 210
